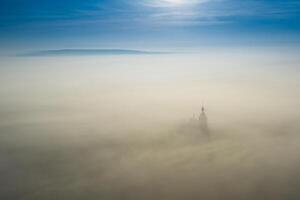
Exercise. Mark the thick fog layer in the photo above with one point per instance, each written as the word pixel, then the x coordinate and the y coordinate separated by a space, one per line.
pixel 122 127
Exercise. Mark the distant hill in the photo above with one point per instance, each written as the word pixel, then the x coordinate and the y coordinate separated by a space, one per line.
pixel 89 52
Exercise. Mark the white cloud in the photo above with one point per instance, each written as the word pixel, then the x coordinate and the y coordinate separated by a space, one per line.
pixel 172 3
pixel 190 12
pixel 177 12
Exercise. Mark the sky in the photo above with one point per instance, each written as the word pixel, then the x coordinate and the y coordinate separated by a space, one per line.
pixel 147 24
pixel 75 126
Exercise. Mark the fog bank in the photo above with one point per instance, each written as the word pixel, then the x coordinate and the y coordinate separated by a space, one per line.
pixel 117 127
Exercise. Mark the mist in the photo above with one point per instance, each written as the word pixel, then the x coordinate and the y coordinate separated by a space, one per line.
pixel 117 127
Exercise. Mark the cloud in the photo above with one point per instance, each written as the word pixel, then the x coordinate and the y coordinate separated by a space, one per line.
pixel 221 11
pixel 172 3
pixel 89 52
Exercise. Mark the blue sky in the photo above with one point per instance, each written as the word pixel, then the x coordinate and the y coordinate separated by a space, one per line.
pixel 153 24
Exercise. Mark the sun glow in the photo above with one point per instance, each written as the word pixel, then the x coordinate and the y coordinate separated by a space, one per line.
pixel 176 1
pixel 181 2
pixel 172 3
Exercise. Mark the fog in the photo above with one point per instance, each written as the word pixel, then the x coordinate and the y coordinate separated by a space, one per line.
pixel 117 127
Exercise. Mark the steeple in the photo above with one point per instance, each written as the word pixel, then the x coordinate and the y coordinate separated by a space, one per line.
pixel 202 116
pixel 203 123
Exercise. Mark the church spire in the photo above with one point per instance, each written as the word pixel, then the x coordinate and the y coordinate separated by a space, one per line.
pixel 203 123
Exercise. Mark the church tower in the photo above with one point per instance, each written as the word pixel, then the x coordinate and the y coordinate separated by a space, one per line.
pixel 203 123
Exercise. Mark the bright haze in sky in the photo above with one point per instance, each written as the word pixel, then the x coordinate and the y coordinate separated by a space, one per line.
pixel 176 2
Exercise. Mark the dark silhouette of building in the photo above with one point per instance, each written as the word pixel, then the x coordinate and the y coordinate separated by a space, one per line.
pixel 203 126
pixel 198 126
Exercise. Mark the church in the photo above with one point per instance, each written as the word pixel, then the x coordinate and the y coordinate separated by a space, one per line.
pixel 198 126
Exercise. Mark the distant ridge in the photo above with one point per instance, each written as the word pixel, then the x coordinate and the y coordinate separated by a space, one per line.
pixel 89 52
